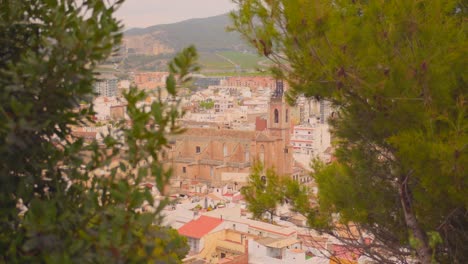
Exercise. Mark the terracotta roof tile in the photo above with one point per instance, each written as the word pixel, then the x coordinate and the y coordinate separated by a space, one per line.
pixel 199 227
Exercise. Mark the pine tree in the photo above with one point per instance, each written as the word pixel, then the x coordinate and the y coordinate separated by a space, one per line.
pixel 396 73
pixel 56 205
pixel 263 192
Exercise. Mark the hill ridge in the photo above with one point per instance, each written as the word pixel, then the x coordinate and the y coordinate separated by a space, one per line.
pixel 207 34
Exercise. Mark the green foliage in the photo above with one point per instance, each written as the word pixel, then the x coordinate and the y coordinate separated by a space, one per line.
pixel 263 192
pixel 208 104
pixel 139 62
pixel 396 73
pixel 61 200
pixel 266 190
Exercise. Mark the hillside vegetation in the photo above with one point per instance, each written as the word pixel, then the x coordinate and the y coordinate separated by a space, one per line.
pixel 220 51
pixel 207 34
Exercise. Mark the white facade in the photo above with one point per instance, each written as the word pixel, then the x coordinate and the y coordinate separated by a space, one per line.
pixel 302 139
pixel 310 141
pixel 287 253
pixel 106 86
pixel 223 103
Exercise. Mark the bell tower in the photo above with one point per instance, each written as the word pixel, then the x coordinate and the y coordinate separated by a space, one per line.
pixel 279 124
pixel 279 113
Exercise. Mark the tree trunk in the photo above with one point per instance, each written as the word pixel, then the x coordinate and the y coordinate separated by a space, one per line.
pixel 423 249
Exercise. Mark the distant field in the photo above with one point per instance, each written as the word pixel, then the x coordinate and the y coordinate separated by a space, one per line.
pixel 244 60
pixel 233 73
pixel 230 61
pixel 213 63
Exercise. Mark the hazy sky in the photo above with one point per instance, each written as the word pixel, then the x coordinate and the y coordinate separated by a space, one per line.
pixel 144 13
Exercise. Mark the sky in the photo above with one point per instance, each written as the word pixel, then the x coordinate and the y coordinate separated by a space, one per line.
pixel 145 13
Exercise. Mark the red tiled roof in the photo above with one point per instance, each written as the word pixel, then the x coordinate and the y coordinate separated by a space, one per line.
pixel 343 252
pixel 237 198
pixel 200 227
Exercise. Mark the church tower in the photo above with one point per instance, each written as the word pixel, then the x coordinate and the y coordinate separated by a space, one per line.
pixel 279 124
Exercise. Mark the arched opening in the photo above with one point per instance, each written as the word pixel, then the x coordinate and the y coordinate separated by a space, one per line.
pixel 225 150
pixel 286 116
pixel 262 154
pixel 276 116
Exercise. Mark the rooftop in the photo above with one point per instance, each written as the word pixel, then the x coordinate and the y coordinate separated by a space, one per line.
pixel 277 242
pixel 199 227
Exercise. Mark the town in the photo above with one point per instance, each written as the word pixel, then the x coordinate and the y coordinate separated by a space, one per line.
pixel 233 132
pixel 232 122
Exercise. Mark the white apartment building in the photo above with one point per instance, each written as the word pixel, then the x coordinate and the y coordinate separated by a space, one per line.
pixel 106 86
pixel 223 103
pixel 302 139
pixel 310 141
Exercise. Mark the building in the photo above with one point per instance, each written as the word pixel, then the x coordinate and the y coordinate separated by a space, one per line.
pixel 106 86
pixel 277 250
pixel 205 154
pixel 118 112
pixel 107 108
pixel 302 139
pixel 224 236
pixel 196 230
pixel 144 77
pixel 253 82
pixel 204 82
pixel 223 103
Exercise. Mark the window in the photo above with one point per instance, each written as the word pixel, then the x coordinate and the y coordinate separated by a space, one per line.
pixel 184 169
pixel 286 118
pixel 197 149
pixel 276 116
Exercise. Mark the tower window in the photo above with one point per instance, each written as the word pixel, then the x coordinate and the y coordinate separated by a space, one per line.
pixel 286 118
pixel 225 150
pixel 276 116
pixel 197 149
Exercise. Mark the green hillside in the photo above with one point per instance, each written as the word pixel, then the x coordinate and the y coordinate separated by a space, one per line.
pixel 219 51
pixel 207 34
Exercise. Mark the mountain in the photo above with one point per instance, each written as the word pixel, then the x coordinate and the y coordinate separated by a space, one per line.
pixel 207 34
